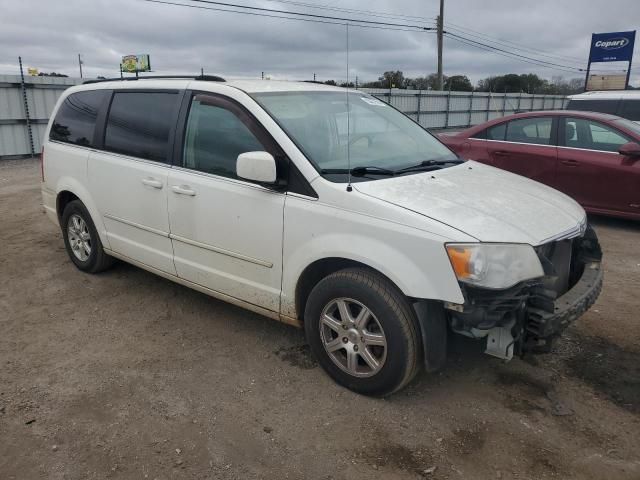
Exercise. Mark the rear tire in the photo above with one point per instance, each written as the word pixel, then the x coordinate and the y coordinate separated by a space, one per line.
pixel 81 239
pixel 363 331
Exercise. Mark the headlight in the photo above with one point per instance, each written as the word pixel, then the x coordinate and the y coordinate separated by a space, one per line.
pixel 494 265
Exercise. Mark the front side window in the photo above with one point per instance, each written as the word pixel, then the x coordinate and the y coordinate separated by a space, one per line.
pixel 214 138
pixel 592 135
pixel 75 120
pixel 139 124
pixel 497 132
pixel 535 130
pixel 335 133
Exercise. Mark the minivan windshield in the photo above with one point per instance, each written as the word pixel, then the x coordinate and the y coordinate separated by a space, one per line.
pixel 378 139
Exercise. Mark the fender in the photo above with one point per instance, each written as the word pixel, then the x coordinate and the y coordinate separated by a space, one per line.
pixel 413 259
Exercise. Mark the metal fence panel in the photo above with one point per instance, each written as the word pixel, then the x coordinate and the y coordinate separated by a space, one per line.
pixel 42 94
pixel 442 109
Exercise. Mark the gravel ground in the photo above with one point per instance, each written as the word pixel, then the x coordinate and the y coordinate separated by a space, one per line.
pixel 127 375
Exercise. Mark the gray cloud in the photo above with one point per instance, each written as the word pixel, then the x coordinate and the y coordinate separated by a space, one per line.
pixel 49 35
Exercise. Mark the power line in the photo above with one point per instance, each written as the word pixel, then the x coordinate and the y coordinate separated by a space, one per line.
pixel 316 20
pixel 520 46
pixel 513 55
pixel 507 45
pixel 310 15
pixel 371 13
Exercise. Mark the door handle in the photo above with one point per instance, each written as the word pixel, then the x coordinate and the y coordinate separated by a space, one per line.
pixel 152 182
pixel 501 153
pixel 183 190
pixel 570 163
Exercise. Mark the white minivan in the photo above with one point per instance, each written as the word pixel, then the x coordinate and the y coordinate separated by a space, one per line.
pixel 623 103
pixel 320 207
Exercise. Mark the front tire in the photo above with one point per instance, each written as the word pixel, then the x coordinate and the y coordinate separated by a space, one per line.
pixel 363 331
pixel 81 239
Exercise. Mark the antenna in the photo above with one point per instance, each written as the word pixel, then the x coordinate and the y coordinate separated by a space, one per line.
pixel 349 188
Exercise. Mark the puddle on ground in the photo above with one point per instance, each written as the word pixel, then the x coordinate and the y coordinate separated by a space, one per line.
pixel 297 356
pixel 396 457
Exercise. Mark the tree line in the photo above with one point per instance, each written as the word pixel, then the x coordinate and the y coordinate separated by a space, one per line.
pixel 509 83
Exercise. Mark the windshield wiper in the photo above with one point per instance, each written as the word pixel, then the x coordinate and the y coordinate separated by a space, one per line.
pixel 360 171
pixel 428 165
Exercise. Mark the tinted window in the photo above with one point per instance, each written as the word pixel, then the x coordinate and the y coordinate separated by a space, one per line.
pixel 601 106
pixel 582 133
pixel 76 117
pixel 630 109
pixel 530 130
pixel 497 132
pixel 214 138
pixel 139 124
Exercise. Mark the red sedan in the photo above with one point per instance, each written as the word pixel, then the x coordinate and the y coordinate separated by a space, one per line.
pixel 593 157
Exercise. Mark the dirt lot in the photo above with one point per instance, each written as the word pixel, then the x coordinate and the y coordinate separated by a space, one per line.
pixel 127 375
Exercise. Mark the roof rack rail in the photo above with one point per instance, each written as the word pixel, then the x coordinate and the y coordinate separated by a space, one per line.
pixel 205 78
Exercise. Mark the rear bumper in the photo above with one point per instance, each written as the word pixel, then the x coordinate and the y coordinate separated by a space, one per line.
pixel 49 203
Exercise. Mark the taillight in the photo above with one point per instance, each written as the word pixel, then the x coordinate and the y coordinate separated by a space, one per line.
pixel 42 163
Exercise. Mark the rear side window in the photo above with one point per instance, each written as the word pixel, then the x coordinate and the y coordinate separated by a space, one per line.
pixel 601 106
pixel 75 120
pixel 530 130
pixel 139 124
pixel 630 109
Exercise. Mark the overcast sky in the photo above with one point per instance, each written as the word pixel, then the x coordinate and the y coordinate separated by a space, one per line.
pixel 49 34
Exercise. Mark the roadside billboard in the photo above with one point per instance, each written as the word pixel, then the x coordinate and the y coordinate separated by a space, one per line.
pixel 610 47
pixel 135 63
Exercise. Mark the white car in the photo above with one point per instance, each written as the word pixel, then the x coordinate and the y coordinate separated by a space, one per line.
pixel 323 208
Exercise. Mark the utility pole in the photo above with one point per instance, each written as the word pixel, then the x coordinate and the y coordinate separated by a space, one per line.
pixel 80 64
pixel 314 77
pixel 440 35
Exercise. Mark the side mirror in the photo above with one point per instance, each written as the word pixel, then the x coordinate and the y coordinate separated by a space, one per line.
pixel 631 149
pixel 256 166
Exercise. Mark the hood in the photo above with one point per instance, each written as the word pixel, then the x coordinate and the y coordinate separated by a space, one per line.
pixel 489 204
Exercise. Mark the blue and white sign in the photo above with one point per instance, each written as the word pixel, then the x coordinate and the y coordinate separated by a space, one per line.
pixel 612 47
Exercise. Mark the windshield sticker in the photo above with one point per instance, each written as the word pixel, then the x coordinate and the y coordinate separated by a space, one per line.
pixel 373 101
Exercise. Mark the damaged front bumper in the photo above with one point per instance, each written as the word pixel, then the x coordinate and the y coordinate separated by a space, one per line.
pixel 529 316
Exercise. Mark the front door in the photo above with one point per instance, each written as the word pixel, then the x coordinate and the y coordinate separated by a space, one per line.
pixel 226 232
pixel 528 149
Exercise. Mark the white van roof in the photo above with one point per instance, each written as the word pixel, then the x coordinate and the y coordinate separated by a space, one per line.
pixel 249 86
pixel 606 95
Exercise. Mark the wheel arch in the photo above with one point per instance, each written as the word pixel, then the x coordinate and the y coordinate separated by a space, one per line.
pixel 321 268
pixel 70 189
pixel 63 198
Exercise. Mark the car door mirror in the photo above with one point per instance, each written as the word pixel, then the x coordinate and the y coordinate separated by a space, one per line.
pixel 631 149
pixel 256 166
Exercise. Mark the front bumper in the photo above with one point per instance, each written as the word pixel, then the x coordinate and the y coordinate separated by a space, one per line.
pixel 530 315
pixel 567 308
